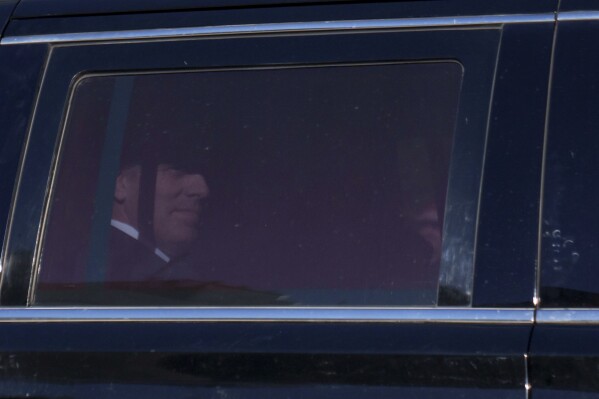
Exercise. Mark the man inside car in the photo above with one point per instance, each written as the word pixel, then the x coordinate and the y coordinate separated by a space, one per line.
pixel 143 242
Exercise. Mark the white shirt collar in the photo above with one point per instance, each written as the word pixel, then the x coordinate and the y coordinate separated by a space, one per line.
pixel 125 228
pixel 162 255
pixel 134 233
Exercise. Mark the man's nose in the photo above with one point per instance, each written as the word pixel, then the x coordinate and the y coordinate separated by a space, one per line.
pixel 196 186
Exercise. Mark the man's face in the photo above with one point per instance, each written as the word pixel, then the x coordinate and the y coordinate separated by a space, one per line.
pixel 177 205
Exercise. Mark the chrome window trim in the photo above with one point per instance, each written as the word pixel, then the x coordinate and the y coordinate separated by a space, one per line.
pixel 568 316
pixel 290 27
pixel 578 16
pixel 293 314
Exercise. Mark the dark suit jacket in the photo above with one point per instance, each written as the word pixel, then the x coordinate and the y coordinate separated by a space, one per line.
pixel 135 275
pixel 129 260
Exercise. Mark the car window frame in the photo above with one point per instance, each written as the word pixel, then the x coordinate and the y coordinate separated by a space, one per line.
pixel 437 29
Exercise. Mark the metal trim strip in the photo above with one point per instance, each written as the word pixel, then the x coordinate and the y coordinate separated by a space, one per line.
pixel 578 16
pixel 291 27
pixel 295 314
pixel 568 316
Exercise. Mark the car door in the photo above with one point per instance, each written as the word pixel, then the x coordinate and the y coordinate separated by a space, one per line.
pixel 563 351
pixel 369 205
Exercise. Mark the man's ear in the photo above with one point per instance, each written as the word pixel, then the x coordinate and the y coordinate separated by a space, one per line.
pixel 123 182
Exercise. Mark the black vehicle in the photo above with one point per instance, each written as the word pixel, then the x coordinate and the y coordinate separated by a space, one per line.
pixel 299 199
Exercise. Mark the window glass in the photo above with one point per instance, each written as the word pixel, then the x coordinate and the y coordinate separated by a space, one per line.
pixel 291 186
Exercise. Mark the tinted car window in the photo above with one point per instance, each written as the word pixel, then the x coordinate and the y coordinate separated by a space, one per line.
pixel 276 186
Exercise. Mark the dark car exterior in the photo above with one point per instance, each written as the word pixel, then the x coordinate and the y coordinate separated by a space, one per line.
pixel 401 198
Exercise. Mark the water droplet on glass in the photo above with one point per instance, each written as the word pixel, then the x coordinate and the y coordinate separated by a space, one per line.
pixel 556 233
pixel 575 257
